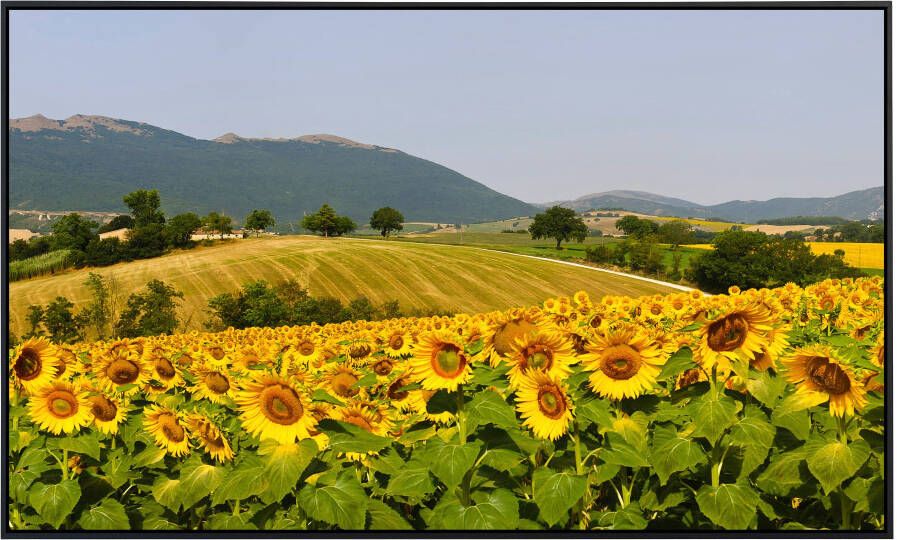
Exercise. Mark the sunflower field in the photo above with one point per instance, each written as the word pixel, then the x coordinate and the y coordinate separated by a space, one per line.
pixel 760 409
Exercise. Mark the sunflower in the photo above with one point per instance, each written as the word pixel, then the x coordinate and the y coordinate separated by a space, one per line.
pixel 108 413
pixel 624 362
pixel 58 407
pixel 119 368
pixel 166 427
pixel 340 380
pixel 505 330
pixel 272 408
pixel 165 373
pixel 213 383
pixel 547 352
pixel 33 364
pixel 737 334
pixel 383 366
pixel 543 402
pixel 209 437
pixel 820 376
pixel 440 362
pixel 404 400
pixel 397 343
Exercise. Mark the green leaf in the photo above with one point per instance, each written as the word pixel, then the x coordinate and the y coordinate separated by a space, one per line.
pixel 55 502
pixel 198 480
pixel 337 500
pixel 494 510
pixel 229 522
pixel 345 437
pixel 754 435
pixel 501 459
pixel 766 388
pixel 713 415
pixel 556 493
pixel 321 395
pixel 832 462
pixel 618 451
pixel 245 480
pixel 630 518
pixel 418 432
pixel 673 453
pixel 731 506
pixel 869 494
pixel 411 481
pixel 449 462
pixel 150 455
pixel 797 422
pixel 368 380
pixel 383 517
pixel 783 473
pixel 19 481
pixel 595 411
pixel 680 361
pixel 166 491
pixel 284 464
pixel 117 468
pixel 388 462
pixel 488 407
pixel 108 515
pixel 86 444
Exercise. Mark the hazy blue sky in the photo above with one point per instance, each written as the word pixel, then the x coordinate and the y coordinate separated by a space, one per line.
pixel 706 106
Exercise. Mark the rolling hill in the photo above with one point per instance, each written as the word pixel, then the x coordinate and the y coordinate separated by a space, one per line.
pixel 417 275
pixel 861 204
pixel 91 162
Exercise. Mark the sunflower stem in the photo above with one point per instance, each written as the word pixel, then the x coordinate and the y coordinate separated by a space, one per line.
pixel 461 433
pixel 64 464
pixel 845 510
pixel 236 511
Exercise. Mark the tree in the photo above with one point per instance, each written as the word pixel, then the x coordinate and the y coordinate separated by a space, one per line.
pixel 386 220
pixel 218 223
pixel 123 221
pixel 144 205
pixel 72 231
pixel 344 225
pixel 61 323
pixel 146 241
pixel 259 220
pixel 35 318
pixel 636 227
pixel 105 252
pixel 324 221
pixel 98 313
pixel 675 233
pixel 151 312
pixel 561 224
pixel 180 228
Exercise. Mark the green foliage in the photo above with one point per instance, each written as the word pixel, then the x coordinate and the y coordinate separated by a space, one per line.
pixel 72 232
pixel 48 263
pixel 123 221
pixel 218 223
pixel 259 220
pixel 636 227
pixel 561 224
pixel 179 229
pixel 144 205
pixel 151 312
pixel 757 260
pixel 327 223
pixel 386 220
pixel 61 324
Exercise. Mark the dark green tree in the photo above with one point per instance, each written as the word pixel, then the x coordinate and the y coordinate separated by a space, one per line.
pixel 636 227
pixel 324 221
pixel 561 224
pixel 61 323
pixel 144 205
pixel 218 223
pixel 72 231
pixel 675 233
pixel 258 221
pixel 150 312
pixel 386 220
pixel 97 314
pixel 344 225
pixel 123 221
pixel 35 320
pixel 180 228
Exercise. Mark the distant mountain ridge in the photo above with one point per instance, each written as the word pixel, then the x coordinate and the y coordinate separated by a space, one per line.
pixel 861 204
pixel 90 162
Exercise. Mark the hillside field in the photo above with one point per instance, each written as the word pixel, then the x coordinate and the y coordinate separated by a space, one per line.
pixel 418 276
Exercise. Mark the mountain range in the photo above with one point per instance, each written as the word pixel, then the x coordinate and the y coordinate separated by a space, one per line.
pixel 862 204
pixel 88 163
pixel 91 162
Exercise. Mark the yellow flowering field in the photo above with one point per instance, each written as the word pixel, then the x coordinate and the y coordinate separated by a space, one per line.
pixel 858 254
pixel 758 409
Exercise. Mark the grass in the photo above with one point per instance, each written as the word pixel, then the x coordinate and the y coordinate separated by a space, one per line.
pixel 418 276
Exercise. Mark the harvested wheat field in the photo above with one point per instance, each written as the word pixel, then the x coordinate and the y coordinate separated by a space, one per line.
pixel 419 276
